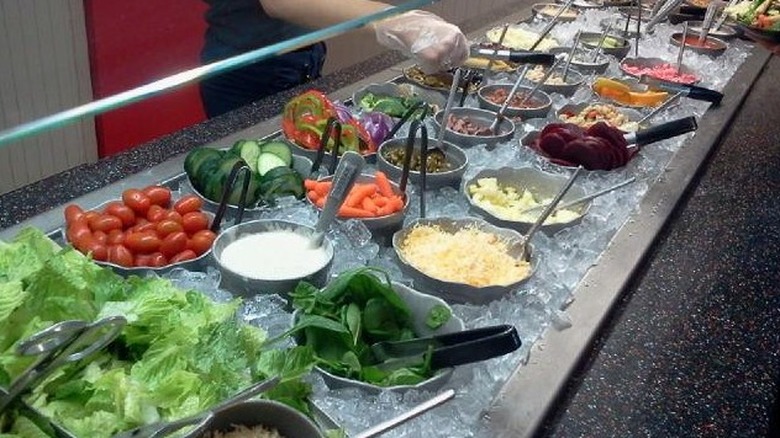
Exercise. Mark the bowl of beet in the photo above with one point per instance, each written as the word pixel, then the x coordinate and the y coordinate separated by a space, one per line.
pixel 467 127
pixel 537 105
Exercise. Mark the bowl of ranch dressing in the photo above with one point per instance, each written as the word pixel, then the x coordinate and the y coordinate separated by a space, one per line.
pixel 270 256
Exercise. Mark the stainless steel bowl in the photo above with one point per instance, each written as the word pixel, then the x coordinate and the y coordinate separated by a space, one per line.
pixel 574 80
pixel 433 98
pixel 718 46
pixel 248 287
pixel 548 10
pixel 460 292
pixel 653 62
pixel 541 184
pixel 454 155
pixel 506 128
pixel 725 32
pixel 383 224
pixel 591 41
pixel 420 305
pixel 600 66
pixel 199 263
pixel 288 421
pixel 525 113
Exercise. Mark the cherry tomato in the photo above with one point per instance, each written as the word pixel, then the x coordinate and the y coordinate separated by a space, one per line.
pixel 143 227
pixel 123 212
pixel 98 250
pixel 120 255
pixel 158 260
pixel 115 237
pixel 105 223
pixel 90 215
pixel 174 216
pixel 136 200
pixel 144 243
pixel 188 204
pixel 73 213
pixel 174 243
pixel 155 213
pixel 159 195
pixel 185 255
pixel 100 236
pixel 168 226
pixel 142 260
pixel 77 233
pixel 201 241
pixel 194 221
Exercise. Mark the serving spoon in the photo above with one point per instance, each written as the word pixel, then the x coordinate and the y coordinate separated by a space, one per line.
pixel 500 114
pixel 350 166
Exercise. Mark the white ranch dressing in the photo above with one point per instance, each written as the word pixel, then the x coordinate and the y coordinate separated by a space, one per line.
pixel 274 255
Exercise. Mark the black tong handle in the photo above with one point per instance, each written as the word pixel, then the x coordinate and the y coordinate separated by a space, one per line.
pixel 474 345
pixel 332 125
pixel 238 168
pixel 417 125
pixel 408 115
pixel 665 130
pixel 691 91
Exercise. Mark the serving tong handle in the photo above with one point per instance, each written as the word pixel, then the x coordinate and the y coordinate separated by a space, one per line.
pixel 662 132
pixel 682 47
pixel 706 24
pixel 667 103
pixel 417 125
pixel 64 342
pixel 416 411
pixel 454 349
pixel 571 54
pixel 690 91
pixel 539 84
pixel 448 108
pixel 333 124
pixel 500 114
pixel 407 116
pixel 551 24
pixel 238 168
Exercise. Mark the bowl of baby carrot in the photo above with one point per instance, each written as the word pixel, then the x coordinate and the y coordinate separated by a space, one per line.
pixel 375 200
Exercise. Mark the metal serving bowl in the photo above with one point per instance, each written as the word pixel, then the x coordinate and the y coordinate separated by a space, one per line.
pixel 420 305
pixel 454 155
pixel 197 264
pixel 541 184
pixel 600 66
pixel 574 80
pixel 461 292
pixel 652 62
pixel 382 224
pixel 248 287
pixel 528 141
pixel 435 99
pixel 591 41
pixel 525 113
pixel 506 127
pixel 549 10
pixel 724 32
pixel 288 421
pixel 717 50
pixel 300 164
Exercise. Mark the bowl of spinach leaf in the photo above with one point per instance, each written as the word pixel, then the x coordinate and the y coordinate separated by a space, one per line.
pixel 361 307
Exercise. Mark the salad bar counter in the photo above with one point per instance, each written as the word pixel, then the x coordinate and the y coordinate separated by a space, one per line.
pixel 425 283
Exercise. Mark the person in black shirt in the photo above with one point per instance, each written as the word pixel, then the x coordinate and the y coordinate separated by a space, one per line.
pixel 238 26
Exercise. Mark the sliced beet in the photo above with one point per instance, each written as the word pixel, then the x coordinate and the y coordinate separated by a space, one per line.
pixel 552 145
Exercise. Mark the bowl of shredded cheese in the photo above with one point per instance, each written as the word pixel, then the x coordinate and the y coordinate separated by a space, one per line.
pixel 463 260
pixel 260 419
pixel 514 198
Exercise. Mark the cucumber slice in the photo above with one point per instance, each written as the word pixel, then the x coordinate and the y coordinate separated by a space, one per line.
pixel 249 150
pixel 268 161
pixel 280 149
pixel 197 157
pixel 279 182
pixel 205 171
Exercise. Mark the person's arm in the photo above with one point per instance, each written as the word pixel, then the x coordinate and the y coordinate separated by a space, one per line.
pixel 434 43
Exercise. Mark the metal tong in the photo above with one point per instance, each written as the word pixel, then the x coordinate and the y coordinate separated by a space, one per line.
pixel 449 350
pixel 417 125
pixel 64 342
pixel 333 125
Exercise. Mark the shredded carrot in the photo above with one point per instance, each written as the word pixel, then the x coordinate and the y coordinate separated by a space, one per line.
pixel 383 184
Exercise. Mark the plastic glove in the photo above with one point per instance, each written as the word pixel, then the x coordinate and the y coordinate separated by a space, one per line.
pixel 435 44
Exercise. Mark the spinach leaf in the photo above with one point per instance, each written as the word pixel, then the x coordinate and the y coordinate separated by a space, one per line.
pixel 379 320
pixel 437 316
pixel 353 321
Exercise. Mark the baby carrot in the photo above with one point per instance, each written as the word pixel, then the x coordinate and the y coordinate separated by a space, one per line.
pixel 309 184
pixel 380 201
pixel 383 184
pixel 369 205
pixel 322 187
pixel 352 212
pixel 320 202
pixel 358 192
pixel 395 203
pixel 313 195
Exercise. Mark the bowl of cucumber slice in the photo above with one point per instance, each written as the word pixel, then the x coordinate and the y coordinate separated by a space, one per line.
pixel 275 173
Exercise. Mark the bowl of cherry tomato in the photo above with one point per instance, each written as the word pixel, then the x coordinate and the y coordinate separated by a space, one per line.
pixel 148 229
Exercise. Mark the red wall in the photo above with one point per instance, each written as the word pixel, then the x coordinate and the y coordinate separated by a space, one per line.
pixel 132 43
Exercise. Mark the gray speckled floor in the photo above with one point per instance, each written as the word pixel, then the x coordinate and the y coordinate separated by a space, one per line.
pixel 694 349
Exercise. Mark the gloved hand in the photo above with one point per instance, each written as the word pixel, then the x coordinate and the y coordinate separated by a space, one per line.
pixel 435 44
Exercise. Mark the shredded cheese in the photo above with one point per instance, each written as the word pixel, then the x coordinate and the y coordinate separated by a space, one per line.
pixel 469 256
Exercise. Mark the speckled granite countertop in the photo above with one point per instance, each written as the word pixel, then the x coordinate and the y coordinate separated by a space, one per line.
pixel 693 348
